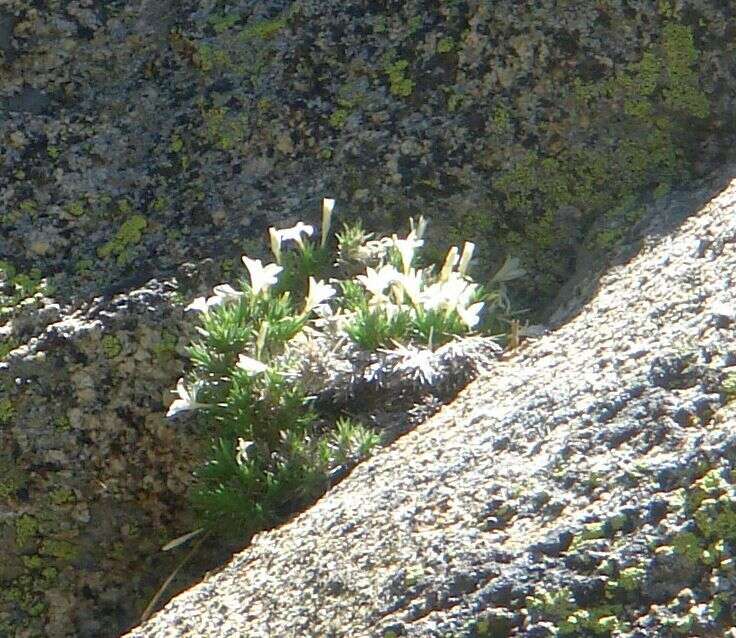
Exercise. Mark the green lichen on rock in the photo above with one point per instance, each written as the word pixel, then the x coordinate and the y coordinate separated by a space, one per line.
pixel 26 529
pixel 128 235
pixel 263 29
pixel 7 410
pixel 62 496
pixel 570 619
pixel 61 549
pixel 111 346
pixel 224 129
pixel 399 84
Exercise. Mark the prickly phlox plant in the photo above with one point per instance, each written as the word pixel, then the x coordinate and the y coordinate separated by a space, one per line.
pixel 272 452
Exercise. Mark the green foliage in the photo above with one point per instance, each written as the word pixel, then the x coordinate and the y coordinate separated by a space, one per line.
pixel 373 327
pixel 20 286
pixel 351 441
pixel 271 452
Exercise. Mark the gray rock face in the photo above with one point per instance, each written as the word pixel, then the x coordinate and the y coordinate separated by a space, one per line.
pixel 582 486
pixel 140 134
pixel 137 135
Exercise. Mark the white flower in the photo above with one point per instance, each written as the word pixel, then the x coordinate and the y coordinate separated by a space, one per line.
pixel 450 261
pixel 223 293
pixel 448 294
pixel 261 277
pixel 295 233
pixel 250 365
pixel 226 291
pixel 465 258
pixel 318 293
pixel 275 243
pixel 202 304
pixel 187 398
pixel 327 206
pixel 406 248
pixel 376 281
pixel 511 269
pixel 246 450
pixel 412 283
pixel 470 315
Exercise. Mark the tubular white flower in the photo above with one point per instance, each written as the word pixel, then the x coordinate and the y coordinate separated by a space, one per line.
pixel 319 292
pixel 250 365
pixel 223 293
pixel 226 291
pixel 376 281
pixel 412 283
pixel 448 294
pixel 295 233
pixel 465 258
pixel 406 248
pixel 261 277
pixel 511 269
pixel 199 305
pixel 327 206
pixel 470 315
pixel 187 399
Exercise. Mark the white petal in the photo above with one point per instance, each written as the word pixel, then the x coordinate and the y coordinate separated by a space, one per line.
pixel 179 405
pixel 511 269
pixel 318 293
pixel 471 314
pixel 198 305
pixel 181 390
pixel 250 365
pixel 227 291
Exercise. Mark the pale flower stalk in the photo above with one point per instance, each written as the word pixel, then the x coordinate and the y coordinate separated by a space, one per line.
pixel 187 398
pixel 261 277
pixel 450 261
pixel 327 206
pixel 275 244
pixel 465 258
pixel 419 227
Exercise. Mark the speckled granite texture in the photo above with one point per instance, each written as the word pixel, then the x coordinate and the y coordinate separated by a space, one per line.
pixel 584 486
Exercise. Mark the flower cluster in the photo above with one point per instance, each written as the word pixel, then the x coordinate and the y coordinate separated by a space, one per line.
pixel 272 452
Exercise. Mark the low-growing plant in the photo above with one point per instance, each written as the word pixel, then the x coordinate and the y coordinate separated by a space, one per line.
pixel 272 452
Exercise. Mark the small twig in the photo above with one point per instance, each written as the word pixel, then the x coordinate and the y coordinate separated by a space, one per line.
pixel 149 610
